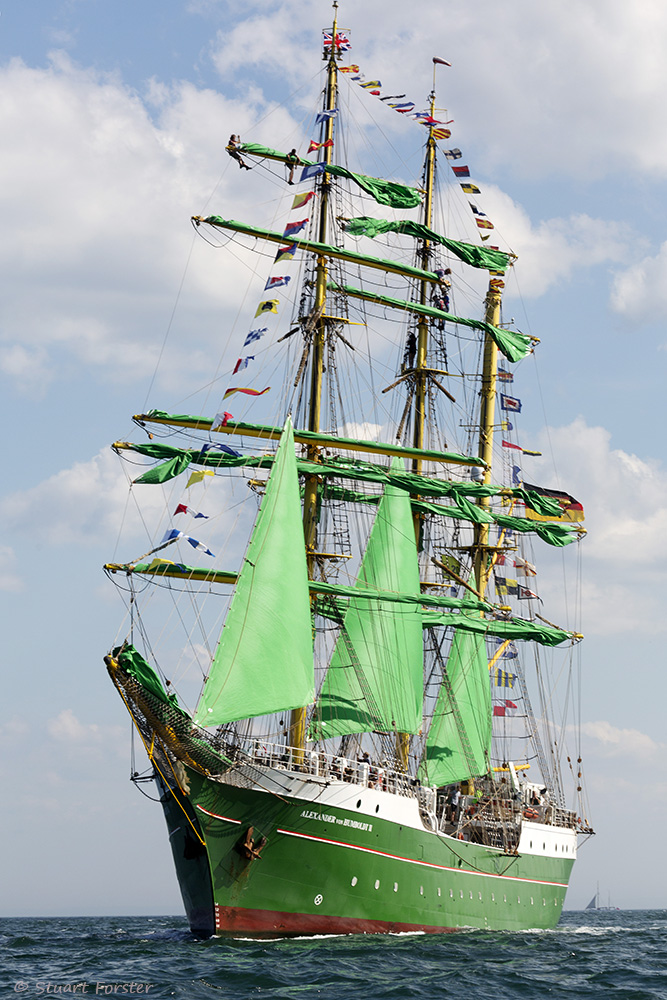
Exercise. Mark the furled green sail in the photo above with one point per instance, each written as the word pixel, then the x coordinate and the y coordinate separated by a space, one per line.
pixel 553 534
pixel 459 739
pixel 384 192
pixel 511 343
pixel 264 660
pixel 131 660
pixel 323 249
pixel 484 257
pixel 377 683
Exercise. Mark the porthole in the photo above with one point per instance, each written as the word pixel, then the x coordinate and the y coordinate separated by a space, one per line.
pixel 544 847
pixel 439 893
pixel 451 894
pixel 359 804
pixel 480 895
pixel 377 808
pixel 471 895
pixel 421 890
pixel 531 843
pixel 354 880
pixel 531 901
pixel 544 902
pixel 395 886
pixel 504 899
pixel 377 883
pixel 518 899
pixel 493 897
pixel 461 893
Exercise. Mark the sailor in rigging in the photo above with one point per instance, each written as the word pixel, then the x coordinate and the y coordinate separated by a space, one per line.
pixel 233 150
pixel 292 160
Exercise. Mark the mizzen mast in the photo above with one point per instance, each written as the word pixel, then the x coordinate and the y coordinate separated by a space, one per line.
pixel 482 563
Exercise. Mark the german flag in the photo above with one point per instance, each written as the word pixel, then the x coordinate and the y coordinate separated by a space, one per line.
pixel 572 509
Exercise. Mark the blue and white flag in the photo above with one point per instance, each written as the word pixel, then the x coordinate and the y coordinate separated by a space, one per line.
pixel 510 652
pixel 453 154
pixel 312 171
pixel 510 403
pixel 174 533
pixel 254 335
pixel 324 116
pixel 215 446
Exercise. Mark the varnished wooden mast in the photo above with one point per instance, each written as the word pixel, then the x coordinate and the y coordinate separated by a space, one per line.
pixel 420 366
pixel 297 733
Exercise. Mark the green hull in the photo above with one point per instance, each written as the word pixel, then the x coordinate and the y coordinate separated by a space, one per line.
pixel 326 870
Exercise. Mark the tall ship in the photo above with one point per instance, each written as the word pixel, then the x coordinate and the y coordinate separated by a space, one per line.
pixel 383 705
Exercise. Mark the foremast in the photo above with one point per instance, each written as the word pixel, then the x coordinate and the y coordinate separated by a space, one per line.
pixel 298 717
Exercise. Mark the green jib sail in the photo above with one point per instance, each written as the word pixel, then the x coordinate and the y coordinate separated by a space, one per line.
pixel 375 678
pixel 264 660
pixel 459 740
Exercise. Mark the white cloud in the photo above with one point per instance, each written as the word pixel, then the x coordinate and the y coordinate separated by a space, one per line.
pixel 80 505
pixel 103 232
pixel 562 89
pixel 640 290
pixel 550 250
pixel 66 728
pixel 625 502
pixel 613 741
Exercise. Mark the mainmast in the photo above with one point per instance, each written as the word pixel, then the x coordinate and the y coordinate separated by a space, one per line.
pixel 297 733
pixel 420 372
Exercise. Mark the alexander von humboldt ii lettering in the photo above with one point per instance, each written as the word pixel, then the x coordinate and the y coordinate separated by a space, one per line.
pixel 363 755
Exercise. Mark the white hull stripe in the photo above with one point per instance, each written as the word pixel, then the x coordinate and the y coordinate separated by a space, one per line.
pixel 423 864
pixel 225 819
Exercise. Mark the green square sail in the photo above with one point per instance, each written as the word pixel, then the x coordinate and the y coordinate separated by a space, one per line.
pixel 459 740
pixel 264 660
pixel 375 679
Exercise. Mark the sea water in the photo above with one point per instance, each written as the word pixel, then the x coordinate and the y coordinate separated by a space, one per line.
pixel 615 955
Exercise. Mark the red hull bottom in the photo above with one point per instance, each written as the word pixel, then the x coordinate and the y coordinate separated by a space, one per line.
pixel 273 923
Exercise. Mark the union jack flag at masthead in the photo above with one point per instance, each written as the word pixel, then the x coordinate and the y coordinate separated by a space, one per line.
pixel 343 43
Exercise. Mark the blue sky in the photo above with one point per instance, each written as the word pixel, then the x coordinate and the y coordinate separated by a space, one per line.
pixel 115 119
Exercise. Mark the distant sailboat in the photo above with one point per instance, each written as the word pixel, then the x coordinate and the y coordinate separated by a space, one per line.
pixel 595 902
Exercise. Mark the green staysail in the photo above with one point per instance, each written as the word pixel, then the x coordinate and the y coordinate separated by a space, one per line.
pixel 484 257
pixel 264 660
pixel 375 678
pixel 459 739
pixel 384 192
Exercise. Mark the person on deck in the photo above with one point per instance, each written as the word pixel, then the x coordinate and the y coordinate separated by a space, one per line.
pixel 233 150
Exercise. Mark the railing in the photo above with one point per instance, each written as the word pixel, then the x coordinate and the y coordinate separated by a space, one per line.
pixel 333 767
